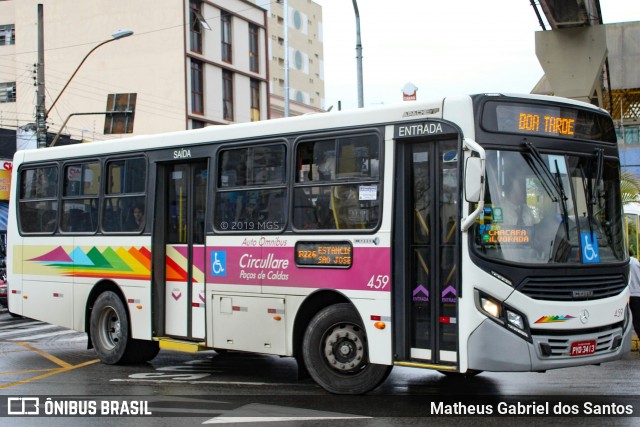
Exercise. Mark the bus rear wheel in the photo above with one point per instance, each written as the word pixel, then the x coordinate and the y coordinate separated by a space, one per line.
pixel 110 333
pixel 335 352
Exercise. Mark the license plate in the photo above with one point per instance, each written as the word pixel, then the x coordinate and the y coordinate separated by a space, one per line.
pixel 583 348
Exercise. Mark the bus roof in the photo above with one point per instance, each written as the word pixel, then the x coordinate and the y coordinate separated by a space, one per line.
pixel 405 111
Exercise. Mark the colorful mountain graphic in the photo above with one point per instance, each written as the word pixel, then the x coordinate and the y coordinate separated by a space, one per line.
pixel 177 263
pixel 555 319
pixel 121 263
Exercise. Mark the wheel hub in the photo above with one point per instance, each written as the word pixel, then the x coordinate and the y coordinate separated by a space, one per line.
pixel 344 348
pixel 110 329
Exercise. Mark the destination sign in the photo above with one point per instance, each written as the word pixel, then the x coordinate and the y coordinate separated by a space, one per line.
pixel 324 254
pixel 547 120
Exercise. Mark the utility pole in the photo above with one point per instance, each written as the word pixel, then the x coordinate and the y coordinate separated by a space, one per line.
pixel 286 58
pixel 41 125
pixel 359 56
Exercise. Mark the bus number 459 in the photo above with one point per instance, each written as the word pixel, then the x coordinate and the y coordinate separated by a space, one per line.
pixel 378 282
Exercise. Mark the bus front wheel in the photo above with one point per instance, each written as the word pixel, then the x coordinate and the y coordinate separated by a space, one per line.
pixel 335 352
pixel 110 333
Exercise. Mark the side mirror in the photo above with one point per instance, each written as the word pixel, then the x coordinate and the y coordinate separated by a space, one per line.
pixel 474 180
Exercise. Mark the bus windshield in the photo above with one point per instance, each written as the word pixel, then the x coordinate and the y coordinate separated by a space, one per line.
pixel 551 209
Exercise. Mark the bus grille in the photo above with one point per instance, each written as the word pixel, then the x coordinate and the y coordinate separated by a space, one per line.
pixel 573 288
pixel 560 346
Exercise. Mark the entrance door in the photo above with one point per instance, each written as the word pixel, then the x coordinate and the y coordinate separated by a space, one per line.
pixel 426 250
pixel 184 235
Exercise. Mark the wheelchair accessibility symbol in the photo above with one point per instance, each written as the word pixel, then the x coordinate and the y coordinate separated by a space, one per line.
pixel 590 251
pixel 219 263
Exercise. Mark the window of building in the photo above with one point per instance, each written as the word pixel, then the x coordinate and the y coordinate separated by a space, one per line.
pixel 38 199
pixel 123 108
pixel 197 124
pixel 227 95
pixel 196 23
pixel 255 100
pixel 7 34
pixel 124 194
pixel 337 184
pixel 8 92
pixel 225 28
pixel 254 57
pixel 81 183
pixel 197 87
pixel 263 206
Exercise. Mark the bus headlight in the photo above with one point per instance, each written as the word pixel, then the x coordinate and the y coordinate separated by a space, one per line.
pixel 515 319
pixel 503 314
pixel 490 306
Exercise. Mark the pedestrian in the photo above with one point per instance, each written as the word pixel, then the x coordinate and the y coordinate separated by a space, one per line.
pixel 634 286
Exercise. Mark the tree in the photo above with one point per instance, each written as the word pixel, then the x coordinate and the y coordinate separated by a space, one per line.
pixel 629 187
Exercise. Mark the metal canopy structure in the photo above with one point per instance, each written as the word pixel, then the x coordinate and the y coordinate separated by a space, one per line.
pixel 569 13
pixel 574 52
pixel 570 48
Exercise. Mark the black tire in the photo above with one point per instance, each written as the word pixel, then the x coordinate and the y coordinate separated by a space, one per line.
pixel 110 333
pixel 335 352
pixel 110 328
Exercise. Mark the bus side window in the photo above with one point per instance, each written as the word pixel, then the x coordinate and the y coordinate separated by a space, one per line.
pixel 324 211
pixel 304 211
pixel 341 175
pixel 48 220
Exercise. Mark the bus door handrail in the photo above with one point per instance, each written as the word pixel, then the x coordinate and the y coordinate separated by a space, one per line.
pixel 467 221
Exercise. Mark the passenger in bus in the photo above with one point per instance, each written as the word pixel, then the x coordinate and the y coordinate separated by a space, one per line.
pixel 514 207
pixel 304 212
pixel 138 218
pixel 324 210
pixel 549 237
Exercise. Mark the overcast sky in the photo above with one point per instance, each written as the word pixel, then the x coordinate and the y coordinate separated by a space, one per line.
pixel 443 47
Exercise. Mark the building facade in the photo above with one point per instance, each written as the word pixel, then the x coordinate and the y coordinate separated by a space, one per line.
pixel 189 64
pixel 305 58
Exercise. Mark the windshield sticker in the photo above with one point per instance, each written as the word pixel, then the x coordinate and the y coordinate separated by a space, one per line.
pixel 368 192
pixel 590 251
pixel 497 215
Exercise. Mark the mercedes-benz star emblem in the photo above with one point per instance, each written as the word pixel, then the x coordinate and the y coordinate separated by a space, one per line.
pixel 584 316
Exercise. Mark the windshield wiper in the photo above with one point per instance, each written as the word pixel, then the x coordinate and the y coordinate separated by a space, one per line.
pixel 543 179
pixel 556 182
pixel 600 159
pixel 535 155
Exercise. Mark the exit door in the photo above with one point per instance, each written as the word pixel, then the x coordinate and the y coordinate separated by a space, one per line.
pixel 184 235
pixel 426 251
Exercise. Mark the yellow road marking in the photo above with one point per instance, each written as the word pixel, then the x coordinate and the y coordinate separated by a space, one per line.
pixel 46 355
pixel 48 374
pixel 27 371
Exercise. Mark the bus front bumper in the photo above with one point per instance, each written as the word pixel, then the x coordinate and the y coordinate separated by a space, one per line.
pixel 491 347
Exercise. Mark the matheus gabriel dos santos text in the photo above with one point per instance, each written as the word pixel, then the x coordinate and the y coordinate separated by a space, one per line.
pixel 533 408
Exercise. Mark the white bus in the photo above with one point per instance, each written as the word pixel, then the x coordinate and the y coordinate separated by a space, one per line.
pixel 469 234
